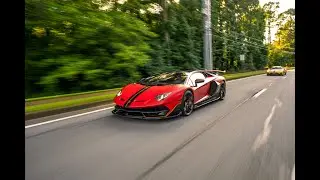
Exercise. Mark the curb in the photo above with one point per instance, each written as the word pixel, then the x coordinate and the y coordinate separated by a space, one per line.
pixel 41 114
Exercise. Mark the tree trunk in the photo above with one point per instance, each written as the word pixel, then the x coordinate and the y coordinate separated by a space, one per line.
pixel 269 32
pixel 164 6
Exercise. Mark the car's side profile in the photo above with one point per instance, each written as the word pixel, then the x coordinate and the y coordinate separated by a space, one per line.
pixel 170 94
pixel 277 70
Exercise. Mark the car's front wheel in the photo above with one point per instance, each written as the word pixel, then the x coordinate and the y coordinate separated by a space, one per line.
pixel 187 103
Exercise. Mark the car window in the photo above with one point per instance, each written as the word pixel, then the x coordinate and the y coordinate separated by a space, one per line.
pixel 165 78
pixel 276 67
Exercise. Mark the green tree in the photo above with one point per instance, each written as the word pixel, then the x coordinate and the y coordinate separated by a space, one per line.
pixel 81 45
pixel 74 46
pixel 282 50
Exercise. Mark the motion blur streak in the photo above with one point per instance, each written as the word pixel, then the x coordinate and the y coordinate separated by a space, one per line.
pixel 263 137
pixel 79 46
pixel 65 118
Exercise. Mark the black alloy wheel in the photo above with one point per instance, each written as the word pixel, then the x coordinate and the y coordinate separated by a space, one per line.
pixel 187 104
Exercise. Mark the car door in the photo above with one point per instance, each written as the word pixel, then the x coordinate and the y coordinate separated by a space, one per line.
pixel 201 89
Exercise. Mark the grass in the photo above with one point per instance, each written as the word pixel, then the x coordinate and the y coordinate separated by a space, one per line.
pixel 243 75
pixel 76 96
pixel 69 103
pixel 70 100
pixel 68 95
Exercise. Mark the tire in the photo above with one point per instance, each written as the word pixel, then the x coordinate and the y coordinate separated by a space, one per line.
pixel 187 103
pixel 223 92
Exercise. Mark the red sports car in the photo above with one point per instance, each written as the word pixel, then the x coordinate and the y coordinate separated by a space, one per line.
pixel 170 94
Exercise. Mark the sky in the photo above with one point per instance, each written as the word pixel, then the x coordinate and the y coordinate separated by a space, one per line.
pixel 284 5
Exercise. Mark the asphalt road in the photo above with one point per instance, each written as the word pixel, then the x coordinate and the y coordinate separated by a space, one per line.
pixel 248 136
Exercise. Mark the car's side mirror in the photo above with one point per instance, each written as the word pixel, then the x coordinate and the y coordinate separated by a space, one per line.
pixel 199 81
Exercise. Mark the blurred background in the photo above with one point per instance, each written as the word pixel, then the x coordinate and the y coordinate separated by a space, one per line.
pixel 85 45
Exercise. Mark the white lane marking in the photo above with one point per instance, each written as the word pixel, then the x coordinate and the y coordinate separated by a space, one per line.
pixel 267 121
pixel 262 138
pixel 259 93
pixel 278 102
pixel 284 77
pixel 293 173
pixel 270 84
pixel 77 115
pixel 264 135
pixel 64 118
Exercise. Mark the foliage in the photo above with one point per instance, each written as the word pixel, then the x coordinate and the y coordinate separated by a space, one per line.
pixel 76 46
pixel 281 49
pixel 69 103
pixel 72 47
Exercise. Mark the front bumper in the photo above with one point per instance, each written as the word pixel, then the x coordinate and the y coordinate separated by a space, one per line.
pixel 275 73
pixel 159 112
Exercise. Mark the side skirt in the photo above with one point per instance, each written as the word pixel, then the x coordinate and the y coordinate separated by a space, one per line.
pixel 207 101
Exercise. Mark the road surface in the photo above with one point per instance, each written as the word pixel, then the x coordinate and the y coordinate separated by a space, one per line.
pixel 248 136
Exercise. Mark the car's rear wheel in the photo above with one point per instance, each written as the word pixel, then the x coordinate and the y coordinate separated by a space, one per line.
pixel 222 92
pixel 187 103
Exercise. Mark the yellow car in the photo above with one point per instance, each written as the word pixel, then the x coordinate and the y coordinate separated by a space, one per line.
pixel 276 70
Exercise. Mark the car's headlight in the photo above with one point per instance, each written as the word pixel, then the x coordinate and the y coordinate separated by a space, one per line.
pixel 119 93
pixel 162 96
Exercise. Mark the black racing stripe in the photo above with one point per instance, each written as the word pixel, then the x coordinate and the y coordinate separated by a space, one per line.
pixel 135 95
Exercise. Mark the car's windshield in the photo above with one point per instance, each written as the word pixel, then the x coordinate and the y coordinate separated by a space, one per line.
pixel 276 67
pixel 165 78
